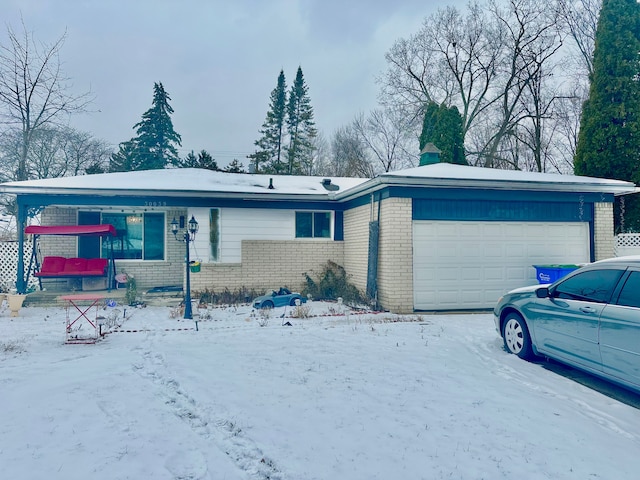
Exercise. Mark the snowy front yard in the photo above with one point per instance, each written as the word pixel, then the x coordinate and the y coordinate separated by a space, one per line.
pixel 329 397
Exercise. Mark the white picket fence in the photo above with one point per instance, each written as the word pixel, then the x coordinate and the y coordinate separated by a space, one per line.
pixel 9 264
pixel 627 244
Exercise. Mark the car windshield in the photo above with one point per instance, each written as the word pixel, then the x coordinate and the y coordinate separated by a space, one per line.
pixel 591 285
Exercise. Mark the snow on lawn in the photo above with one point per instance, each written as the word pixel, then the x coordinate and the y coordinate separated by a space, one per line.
pixel 329 397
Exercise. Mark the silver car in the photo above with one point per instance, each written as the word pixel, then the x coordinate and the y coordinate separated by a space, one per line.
pixel 589 319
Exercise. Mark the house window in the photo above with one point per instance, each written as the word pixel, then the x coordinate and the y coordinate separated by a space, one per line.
pixel 140 236
pixel 214 234
pixel 313 224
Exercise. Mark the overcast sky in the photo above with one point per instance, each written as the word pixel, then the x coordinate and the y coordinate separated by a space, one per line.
pixel 219 59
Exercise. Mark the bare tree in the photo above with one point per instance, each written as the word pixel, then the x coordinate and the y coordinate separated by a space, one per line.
pixel 453 60
pixel 317 161
pixel 349 155
pixel 580 20
pixel 82 152
pixel 497 64
pixel 389 137
pixel 53 152
pixel 564 137
pixel 532 38
pixel 34 93
pixel 470 49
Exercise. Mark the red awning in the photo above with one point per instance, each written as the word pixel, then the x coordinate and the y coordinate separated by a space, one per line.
pixel 78 230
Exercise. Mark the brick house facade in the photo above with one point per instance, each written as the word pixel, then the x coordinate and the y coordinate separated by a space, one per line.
pixel 260 242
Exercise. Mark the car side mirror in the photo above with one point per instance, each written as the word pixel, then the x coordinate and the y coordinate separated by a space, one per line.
pixel 542 292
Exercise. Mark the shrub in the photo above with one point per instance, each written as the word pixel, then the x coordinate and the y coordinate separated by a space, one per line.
pixel 301 311
pixel 226 296
pixel 332 283
pixel 132 291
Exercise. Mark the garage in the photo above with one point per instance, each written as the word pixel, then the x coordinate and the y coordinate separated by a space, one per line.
pixel 469 264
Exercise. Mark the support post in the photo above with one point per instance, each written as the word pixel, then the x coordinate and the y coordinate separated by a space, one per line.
pixel 188 314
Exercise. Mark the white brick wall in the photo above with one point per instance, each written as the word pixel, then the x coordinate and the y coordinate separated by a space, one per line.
pixel 356 245
pixel 395 268
pixel 603 231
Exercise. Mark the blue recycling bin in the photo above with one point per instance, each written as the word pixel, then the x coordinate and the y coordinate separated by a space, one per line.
pixel 550 273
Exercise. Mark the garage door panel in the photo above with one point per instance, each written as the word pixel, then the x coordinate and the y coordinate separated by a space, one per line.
pixel 493 273
pixel 517 273
pixel 470 264
pixel 471 273
pixel 516 251
pixel 493 250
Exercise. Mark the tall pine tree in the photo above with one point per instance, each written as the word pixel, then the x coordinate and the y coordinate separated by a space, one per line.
pixel 155 145
pixel 157 139
pixel 268 157
pixel 442 126
pixel 300 126
pixel 609 139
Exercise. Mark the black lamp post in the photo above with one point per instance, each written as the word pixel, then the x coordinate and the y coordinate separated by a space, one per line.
pixel 188 236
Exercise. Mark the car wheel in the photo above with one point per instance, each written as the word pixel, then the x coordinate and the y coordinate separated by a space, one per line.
pixel 293 302
pixel 267 304
pixel 516 336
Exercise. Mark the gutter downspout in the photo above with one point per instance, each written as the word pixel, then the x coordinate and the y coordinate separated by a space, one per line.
pixel 372 263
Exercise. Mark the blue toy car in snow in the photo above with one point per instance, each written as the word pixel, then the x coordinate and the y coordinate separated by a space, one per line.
pixel 278 298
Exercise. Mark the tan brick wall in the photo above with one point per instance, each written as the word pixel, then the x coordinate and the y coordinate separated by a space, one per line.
pixel 269 264
pixel 57 245
pixel 603 231
pixel 395 268
pixel 356 245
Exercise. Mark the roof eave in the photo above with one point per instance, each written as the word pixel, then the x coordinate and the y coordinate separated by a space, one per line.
pixel 571 187
pixel 273 196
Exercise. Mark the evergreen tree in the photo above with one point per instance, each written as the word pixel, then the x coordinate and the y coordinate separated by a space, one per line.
pixel 125 159
pixel 189 161
pixel 203 160
pixel 442 126
pixel 300 126
pixel 609 139
pixel 156 141
pixel 235 167
pixel 270 144
pixel 94 168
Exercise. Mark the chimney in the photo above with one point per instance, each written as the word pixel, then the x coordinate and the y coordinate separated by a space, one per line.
pixel 430 154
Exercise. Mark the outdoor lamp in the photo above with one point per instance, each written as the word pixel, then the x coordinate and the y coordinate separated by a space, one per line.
pixel 188 236
pixel 193 227
pixel 174 227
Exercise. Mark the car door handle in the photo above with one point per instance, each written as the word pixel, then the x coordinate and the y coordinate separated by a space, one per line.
pixel 588 310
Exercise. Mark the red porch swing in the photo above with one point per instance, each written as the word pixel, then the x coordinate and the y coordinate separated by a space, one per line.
pixel 76 267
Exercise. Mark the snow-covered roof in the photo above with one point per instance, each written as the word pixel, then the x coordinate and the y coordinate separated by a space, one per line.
pixel 193 182
pixel 189 182
pixel 462 176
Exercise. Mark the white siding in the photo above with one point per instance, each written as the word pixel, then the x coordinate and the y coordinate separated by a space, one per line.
pixel 238 224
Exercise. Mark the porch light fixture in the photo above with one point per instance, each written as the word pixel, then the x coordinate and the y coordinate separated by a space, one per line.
pixel 188 236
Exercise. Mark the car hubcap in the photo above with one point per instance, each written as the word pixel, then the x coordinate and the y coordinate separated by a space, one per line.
pixel 513 336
